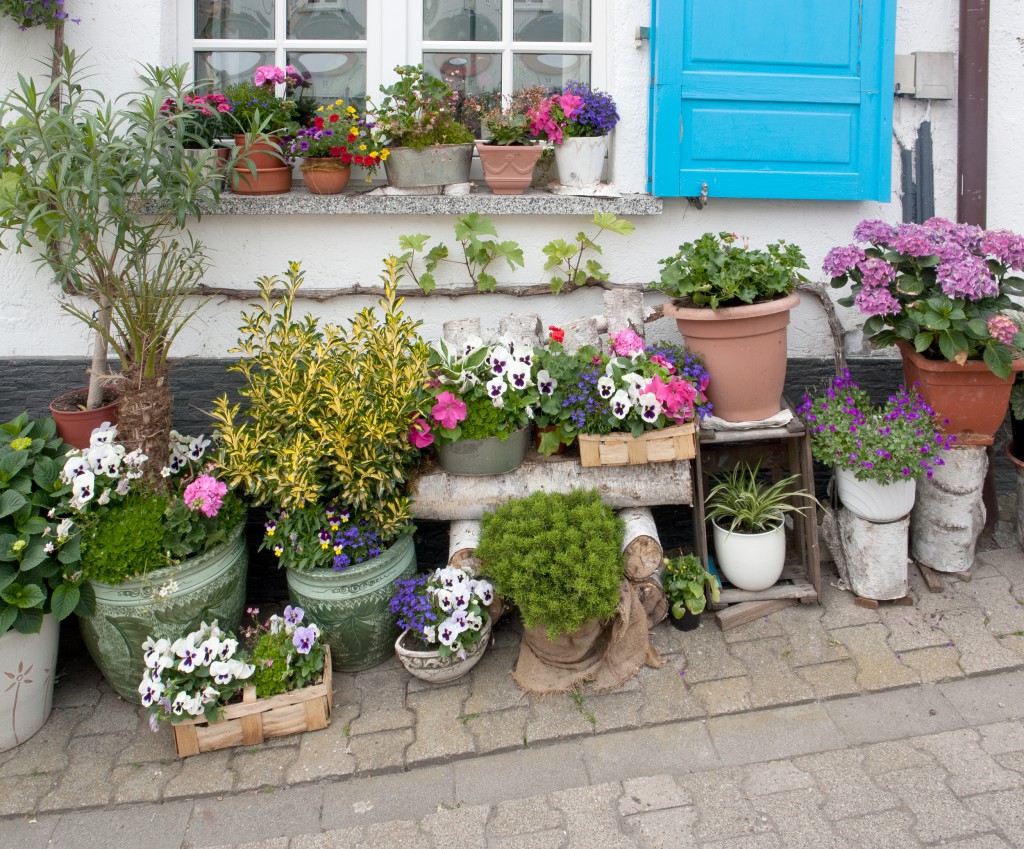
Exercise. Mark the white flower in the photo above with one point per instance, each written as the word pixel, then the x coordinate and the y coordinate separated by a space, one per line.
pixel 228 648
pixel 471 344
pixel 519 376
pixel 495 390
pixel 650 407
pixel 170 587
pixel 524 354
pixel 482 590
pixel 240 670
pixel 209 694
pixel 156 654
pixel 134 461
pixel 105 434
pixel 64 529
pixel 450 577
pixel 194 706
pixel 151 689
pixel 49 548
pixel 73 467
pixel 620 404
pixel 189 655
pixel 635 384
pixel 124 485
pixel 605 387
pixel 448 631
pixel 474 621
pixel 198 447
pixel 276 624
pixel 104 497
pixel 445 600
pixel 546 383
pixel 165 472
pixel 499 361
pixel 220 671
pixel 430 633
pixel 180 700
pixel 82 489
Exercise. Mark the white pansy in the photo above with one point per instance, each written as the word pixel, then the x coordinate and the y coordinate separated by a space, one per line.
pixel 546 383
pixel 634 384
pixel 445 600
pixel 471 344
pixel 151 689
pixel 82 488
pixel 104 497
pixel 483 590
pixel 499 361
pixel 220 671
pixel 198 447
pixel 64 529
pixel 105 434
pixel 180 700
pixel 241 670
pixel 156 653
pixel 228 647
pixel 620 404
pixel 474 621
pixel 519 376
pixel 605 387
pixel 650 407
pixel 210 694
pixel 524 354
pixel 73 467
pixel 430 633
pixel 496 390
pixel 194 706
pixel 134 461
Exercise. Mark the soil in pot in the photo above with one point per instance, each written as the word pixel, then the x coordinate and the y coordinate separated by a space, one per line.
pixel 75 423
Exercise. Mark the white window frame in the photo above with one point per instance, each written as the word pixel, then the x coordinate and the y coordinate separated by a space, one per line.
pixel 402 43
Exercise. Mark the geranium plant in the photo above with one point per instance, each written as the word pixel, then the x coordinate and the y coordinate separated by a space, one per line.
pixel 505 118
pixel 898 440
pixel 721 271
pixel 205 118
pixel 417 111
pixel 479 390
pixel 444 610
pixel 338 132
pixel 580 111
pixel 287 654
pixel 942 287
pixel 256 107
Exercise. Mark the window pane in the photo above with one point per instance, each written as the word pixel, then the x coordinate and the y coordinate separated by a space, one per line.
pixel 225 68
pixel 466 73
pixel 552 70
pixel 462 20
pixel 551 20
pixel 341 19
pixel 334 75
pixel 234 18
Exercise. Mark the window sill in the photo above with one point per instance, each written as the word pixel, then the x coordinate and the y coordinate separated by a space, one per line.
pixel 532 202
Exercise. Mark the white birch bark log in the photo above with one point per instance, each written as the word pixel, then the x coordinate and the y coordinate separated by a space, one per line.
pixel 521 327
pixel 582 332
pixel 949 515
pixel 457 330
pixel 652 598
pixel 640 543
pixel 624 310
pixel 463 538
pixel 871 557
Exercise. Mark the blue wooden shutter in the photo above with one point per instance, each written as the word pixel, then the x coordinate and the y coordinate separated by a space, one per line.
pixel 772 98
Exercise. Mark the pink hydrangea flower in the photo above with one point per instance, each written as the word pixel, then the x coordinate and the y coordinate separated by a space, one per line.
pixel 625 343
pixel 205 494
pixel 1002 328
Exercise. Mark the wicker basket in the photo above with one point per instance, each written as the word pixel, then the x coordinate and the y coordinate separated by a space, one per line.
pixel 655 446
pixel 255 720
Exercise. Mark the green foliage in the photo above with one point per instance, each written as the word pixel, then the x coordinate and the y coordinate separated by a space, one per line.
pixel 35 563
pixel 742 501
pixel 255 109
pixel 189 531
pixel 328 409
pixel 505 118
pixel 126 542
pixel 280 667
pixel 1017 397
pixel 417 111
pixel 557 557
pixel 714 271
pixel 684 582
pixel 567 257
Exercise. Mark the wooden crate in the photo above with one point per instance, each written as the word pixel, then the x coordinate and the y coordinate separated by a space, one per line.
pixel 255 720
pixel 623 449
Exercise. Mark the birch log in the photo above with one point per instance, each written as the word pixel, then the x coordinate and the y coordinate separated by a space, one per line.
pixel 640 543
pixel 463 538
pixel 521 327
pixel 949 515
pixel 457 330
pixel 652 598
pixel 624 310
pixel 582 332
pixel 871 557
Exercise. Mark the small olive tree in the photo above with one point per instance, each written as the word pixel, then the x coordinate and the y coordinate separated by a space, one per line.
pixel 102 190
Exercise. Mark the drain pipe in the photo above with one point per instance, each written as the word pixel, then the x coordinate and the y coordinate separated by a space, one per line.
pixel 972 113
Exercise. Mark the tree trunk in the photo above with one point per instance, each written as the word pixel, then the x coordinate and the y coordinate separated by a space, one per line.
pixel 145 417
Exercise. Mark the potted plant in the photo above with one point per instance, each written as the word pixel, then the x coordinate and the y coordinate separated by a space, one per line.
pixel 205 125
pixel 731 304
pixel 337 139
pixel 483 398
pixel 38 583
pixel 103 191
pixel 629 405
pixel 686 583
pixel 942 293
pixel 746 515
pixel 324 442
pixel 510 151
pixel 558 558
pixel 216 694
pixel 157 559
pixel 416 119
pixel 577 122
pixel 445 621
pixel 877 452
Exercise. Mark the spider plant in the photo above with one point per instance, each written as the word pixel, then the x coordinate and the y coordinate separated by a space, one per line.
pixel 741 501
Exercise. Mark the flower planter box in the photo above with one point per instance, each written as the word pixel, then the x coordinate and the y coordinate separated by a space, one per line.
pixel 655 446
pixel 255 720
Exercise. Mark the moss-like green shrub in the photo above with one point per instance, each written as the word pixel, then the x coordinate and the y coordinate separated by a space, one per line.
pixel 557 557
pixel 132 534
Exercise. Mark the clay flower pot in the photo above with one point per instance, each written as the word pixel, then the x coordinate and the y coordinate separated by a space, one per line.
pixel 75 424
pixel 508 169
pixel 324 175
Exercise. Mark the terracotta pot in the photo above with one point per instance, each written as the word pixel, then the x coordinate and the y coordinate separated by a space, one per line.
pixel 75 426
pixel 969 396
pixel 744 350
pixel 508 169
pixel 266 181
pixel 262 154
pixel 325 176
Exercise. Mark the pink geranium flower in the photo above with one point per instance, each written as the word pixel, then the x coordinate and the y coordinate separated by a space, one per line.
pixel 205 494
pixel 448 410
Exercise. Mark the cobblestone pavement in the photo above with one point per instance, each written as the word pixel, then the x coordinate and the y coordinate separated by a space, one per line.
pixel 826 725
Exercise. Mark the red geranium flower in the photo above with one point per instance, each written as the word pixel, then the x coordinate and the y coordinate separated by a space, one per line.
pixel 557 334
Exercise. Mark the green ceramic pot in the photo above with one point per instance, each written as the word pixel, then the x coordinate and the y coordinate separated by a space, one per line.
pixel 490 456
pixel 351 606
pixel 209 586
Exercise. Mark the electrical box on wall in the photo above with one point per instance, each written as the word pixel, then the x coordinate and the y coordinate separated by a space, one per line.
pixel 924 76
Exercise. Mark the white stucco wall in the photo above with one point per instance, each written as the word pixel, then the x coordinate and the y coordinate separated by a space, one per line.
pixel 343 249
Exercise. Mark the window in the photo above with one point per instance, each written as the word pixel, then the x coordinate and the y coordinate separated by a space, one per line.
pixel 351 46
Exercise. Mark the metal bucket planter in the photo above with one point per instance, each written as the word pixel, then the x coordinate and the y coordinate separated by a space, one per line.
pixel 437 165
pixel 209 586
pixel 351 606
pixel 491 456
pixel 27 665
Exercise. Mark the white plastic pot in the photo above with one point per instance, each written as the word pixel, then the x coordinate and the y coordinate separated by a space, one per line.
pixel 750 561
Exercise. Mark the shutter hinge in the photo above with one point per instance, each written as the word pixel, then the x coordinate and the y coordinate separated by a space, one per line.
pixel 700 201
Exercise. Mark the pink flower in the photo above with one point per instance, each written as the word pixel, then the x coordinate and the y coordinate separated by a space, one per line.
pixel 205 494
pixel 1002 328
pixel 419 433
pixel 448 410
pixel 268 75
pixel 625 343
pixel 659 360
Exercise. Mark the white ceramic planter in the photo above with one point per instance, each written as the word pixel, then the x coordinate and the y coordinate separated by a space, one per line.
pixel 750 561
pixel 27 666
pixel 581 161
pixel 430 666
pixel 873 501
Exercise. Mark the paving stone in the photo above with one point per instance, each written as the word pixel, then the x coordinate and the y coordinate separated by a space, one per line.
pixel 522 816
pixel 1005 810
pixel 847 789
pixel 893 756
pixel 399 834
pixel 839 610
pixel 273 843
pixel 1008 562
pixel 772 679
pixel 333 839
pixel 553 839
pixel 614 711
pixel 322 754
pixel 381 751
pixel 141 782
pixel 439 731
pixel 880 831
pixel 730 695
pixel 829 680
pixel 47 750
pixel 984 841
pixel 21 794
pixel 149 747
pixel 492 687
pixel 749 841
pixel 202 775
pixel 77 685
pixel 669 641
pixel 1012 642
pixel 525 772
pixel 708 657
pixel 111 715
pixel 468 822
pixel 758 629
pixel 258 767
pixel 555 717
pixel 1002 612
pixel 651 793
pixel 980 649
pixel 939 814
pixel 254 816
pixel 499 731
pixel 162 826
pixel 678 748
pixel 590 819
pixel 767 735
pixel 723 812
pixel 764 779
pixel 971 769
pixel 666 696
pixel 401 795
pixel 877 666
pixel 797 820
pixel 909 628
pixel 665 829
pixel 29 833
pixel 941 663
pixel 85 782
pixel 1011 760
pixel 986 699
pixel 382 701
pixel 1002 737
pixel 893 715
pixel 809 642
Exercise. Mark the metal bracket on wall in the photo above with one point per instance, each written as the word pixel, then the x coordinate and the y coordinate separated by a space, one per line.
pixel 701 201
